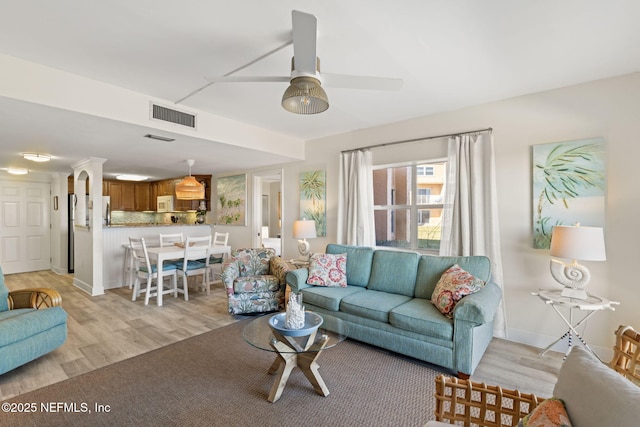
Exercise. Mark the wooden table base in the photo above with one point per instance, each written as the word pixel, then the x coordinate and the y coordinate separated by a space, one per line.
pixel 304 358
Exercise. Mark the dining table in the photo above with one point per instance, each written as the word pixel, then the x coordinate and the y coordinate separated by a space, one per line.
pixel 164 253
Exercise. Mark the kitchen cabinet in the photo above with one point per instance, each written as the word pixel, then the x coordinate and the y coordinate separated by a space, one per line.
pixel 122 195
pixel 141 197
pixel 165 188
pixel 153 195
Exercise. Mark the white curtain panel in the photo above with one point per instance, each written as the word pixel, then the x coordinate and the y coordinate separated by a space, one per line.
pixel 356 224
pixel 470 223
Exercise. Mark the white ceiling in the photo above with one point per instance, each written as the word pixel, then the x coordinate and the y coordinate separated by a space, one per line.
pixel 450 54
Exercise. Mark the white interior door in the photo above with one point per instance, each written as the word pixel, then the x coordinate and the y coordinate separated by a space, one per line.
pixel 24 226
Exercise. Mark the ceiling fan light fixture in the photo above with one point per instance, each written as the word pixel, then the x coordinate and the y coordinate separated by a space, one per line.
pixel 305 96
pixel 189 188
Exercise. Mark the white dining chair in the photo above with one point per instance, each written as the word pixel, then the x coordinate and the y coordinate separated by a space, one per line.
pixel 195 262
pixel 145 270
pixel 216 260
pixel 170 239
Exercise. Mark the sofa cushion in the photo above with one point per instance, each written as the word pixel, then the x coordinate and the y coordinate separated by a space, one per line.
pixel 454 284
pixel 420 316
pixel 253 262
pixel 328 270
pixel 394 272
pixel 328 297
pixel 431 267
pixel 371 304
pixel 594 394
pixel 20 324
pixel 256 284
pixel 359 260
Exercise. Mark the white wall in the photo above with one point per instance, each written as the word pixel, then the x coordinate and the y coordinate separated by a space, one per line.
pixel 607 108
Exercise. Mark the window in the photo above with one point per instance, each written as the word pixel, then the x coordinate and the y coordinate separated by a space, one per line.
pixel 401 219
pixel 423 170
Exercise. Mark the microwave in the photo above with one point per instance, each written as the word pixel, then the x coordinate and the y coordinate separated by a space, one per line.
pixel 165 204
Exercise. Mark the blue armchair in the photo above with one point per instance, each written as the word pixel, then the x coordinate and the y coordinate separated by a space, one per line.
pixel 32 323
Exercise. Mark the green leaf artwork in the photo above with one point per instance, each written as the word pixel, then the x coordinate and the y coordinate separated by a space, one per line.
pixel 232 195
pixel 568 186
pixel 313 190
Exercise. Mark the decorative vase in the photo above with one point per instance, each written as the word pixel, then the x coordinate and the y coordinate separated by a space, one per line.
pixel 294 318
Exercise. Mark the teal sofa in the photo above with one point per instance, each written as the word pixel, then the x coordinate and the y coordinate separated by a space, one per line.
pixel 387 303
pixel 32 324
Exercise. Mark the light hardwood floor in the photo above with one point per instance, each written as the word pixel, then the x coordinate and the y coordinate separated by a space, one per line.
pixel 110 328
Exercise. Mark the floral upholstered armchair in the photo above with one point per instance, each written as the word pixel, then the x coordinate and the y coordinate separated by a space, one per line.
pixel 254 280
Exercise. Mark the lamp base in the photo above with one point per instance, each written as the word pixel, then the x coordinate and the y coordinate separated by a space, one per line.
pixel 575 293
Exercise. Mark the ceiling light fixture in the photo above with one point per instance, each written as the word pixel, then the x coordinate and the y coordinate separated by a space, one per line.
pixel 17 171
pixel 159 138
pixel 305 96
pixel 127 177
pixel 189 188
pixel 37 157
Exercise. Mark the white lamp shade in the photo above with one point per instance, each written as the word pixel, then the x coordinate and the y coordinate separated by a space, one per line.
pixel 578 243
pixel 304 229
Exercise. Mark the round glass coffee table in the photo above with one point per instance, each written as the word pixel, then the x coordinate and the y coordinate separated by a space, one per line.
pixel 295 351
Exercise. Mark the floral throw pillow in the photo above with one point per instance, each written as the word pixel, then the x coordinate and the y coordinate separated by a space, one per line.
pixel 328 270
pixel 550 413
pixel 454 284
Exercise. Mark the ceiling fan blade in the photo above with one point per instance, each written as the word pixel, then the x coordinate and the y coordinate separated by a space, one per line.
pixel 248 79
pixel 361 82
pixel 305 34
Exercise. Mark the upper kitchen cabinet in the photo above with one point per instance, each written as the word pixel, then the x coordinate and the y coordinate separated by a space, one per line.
pixel 122 195
pixel 142 197
pixel 165 188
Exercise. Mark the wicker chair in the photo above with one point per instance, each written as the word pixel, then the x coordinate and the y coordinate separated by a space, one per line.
pixel 477 404
pixel 38 298
pixel 626 354
pixel 468 403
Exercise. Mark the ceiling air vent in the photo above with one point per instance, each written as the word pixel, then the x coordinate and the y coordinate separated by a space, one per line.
pixel 174 116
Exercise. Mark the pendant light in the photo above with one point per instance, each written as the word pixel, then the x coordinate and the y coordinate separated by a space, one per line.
pixel 189 188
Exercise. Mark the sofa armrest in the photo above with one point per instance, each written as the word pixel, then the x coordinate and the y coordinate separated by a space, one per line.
pixel 230 272
pixel 481 307
pixel 297 279
pixel 37 298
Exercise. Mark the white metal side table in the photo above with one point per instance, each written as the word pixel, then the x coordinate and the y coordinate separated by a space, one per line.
pixel 590 306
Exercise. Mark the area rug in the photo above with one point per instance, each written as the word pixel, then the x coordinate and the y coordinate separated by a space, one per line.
pixel 217 379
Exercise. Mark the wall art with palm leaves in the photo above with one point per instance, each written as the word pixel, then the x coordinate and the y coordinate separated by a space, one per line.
pixel 568 186
pixel 313 195
pixel 232 200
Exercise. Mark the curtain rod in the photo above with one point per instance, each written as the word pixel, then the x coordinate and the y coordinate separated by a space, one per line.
pixel 404 141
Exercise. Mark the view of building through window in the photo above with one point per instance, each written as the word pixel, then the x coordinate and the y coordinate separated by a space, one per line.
pixel 403 220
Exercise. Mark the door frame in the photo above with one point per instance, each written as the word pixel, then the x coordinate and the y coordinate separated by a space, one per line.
pixel 258 178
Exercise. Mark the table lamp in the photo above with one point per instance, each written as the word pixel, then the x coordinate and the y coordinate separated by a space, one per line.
pixel 303 229
pixel 575 243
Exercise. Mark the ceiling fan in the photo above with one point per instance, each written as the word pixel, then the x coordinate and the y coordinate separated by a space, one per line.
pixel 305 94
